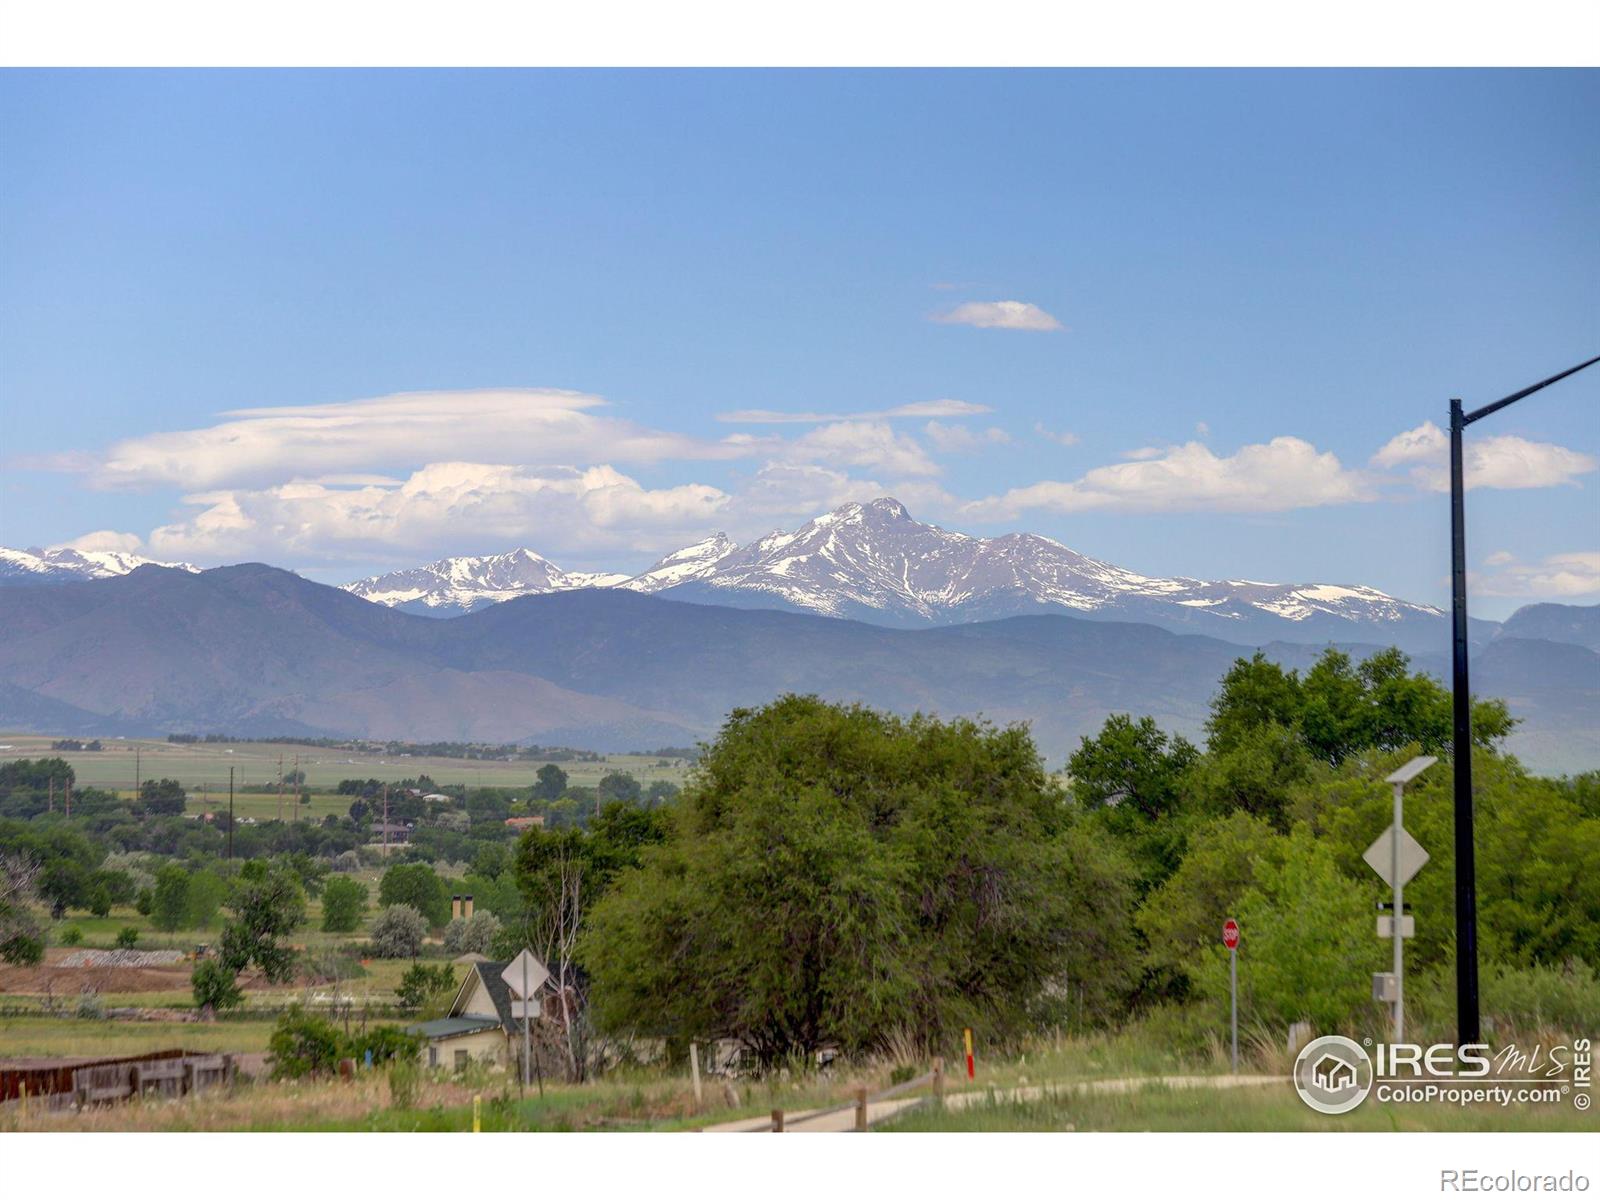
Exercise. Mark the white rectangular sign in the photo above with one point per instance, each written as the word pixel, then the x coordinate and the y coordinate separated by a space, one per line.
pixel 1408 927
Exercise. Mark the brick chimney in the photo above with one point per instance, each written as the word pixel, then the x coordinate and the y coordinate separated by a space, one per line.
pixel 455 907
pixel 466 906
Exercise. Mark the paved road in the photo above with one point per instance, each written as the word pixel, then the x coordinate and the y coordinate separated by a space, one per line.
pixel 815 1120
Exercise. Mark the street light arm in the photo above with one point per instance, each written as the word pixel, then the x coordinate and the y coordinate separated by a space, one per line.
pixel 1470 417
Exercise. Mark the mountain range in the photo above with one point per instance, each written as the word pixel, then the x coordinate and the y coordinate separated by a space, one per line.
pixel 253 650
pixel 873 562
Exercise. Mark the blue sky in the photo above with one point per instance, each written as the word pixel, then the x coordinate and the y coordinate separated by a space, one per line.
pixel 1190 322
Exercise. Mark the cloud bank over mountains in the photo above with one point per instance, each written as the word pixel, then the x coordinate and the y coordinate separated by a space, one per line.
pixel 442 472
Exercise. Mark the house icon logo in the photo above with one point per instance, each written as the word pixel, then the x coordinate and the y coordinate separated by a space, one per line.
pixel 1333 1074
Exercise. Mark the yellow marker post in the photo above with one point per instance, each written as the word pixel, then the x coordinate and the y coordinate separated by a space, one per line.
pixel 477 1114
pixel 966 1035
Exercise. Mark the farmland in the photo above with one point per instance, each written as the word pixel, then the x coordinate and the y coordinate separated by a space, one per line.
pixel 202 767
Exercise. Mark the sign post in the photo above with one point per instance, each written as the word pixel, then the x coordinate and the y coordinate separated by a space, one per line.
pixel 966 1035
pixel 525 975
pixel 1396 857
pixel 1230 939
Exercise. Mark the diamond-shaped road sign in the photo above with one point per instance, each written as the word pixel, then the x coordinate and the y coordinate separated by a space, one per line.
pixel 513 974
pixel 1380 856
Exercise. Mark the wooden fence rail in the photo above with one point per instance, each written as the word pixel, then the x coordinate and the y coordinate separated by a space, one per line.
pixel 860 1102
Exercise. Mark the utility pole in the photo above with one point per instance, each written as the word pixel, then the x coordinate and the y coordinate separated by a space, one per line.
pixel 1461 712
pixel 230 814
pixel 138 776
pixel 50 806
pixel 69 795
pixel 386 822
pixel 296 809
pixel 280 786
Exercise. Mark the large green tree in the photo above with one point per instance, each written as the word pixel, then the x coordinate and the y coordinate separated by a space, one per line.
pixel 344 903
pixel 838 875
pixel 267 906
pixel 416 884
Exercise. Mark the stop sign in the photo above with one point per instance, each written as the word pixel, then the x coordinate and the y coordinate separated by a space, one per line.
pixel 1230 934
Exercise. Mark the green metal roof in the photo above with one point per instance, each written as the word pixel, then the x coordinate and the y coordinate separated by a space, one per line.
pixel 449 1027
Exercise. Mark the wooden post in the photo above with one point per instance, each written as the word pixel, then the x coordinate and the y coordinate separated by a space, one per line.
pixel 938 1082
pixel 694 1072
pixel 477 1114
pixel 861 1110
pixel 777 1120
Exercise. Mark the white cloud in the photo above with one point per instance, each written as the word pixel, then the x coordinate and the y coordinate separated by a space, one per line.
pixel 1066 438
pixel 785 490
pixel 538 427
pixel 1494 462
pixel 951 439
pixel 1000 314
pixel 1201 429
pixel 871 444
pixel 1284 473
pixel 1499 558
pixel 917 408
pixel 104 539
pixel 1565 575
pixel 439 509
pixel 1143 453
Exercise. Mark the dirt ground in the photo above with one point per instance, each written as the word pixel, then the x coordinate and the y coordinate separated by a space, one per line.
pixel 71 981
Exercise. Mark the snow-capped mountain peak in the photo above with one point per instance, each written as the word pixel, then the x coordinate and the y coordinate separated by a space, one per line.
pixel 462 584
pixel 873 561
pixel 64 565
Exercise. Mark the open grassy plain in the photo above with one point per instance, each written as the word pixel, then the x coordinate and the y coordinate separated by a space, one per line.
pixel 202 767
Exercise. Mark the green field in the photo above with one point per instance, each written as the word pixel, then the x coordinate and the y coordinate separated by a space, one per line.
pixel 22 1037
pixel 204 767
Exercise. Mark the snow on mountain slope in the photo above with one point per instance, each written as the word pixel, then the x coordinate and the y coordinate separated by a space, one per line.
pixel 456 585
pixel 65 566
pixel 681 566
pixel 874 562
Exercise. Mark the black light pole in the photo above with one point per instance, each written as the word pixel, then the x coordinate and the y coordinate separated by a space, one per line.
pixel 1461 704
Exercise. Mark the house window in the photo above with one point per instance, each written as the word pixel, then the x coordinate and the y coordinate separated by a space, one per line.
pixel 461 1059
pixel 433 1056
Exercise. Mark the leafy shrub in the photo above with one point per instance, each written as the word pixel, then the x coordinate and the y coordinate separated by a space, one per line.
pixel 398 932
pixel 127 937
pixel 472 935
pixel 23 948
pixel 387 1043
pixel 1517 998
pixel 303 1044
pixel 215 987
pixel 71 936
pixel 91 1007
